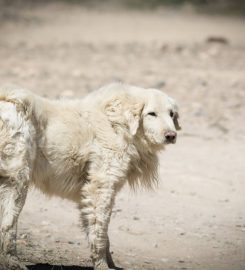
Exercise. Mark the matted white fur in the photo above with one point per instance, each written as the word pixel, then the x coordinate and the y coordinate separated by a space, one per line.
pixel 84 150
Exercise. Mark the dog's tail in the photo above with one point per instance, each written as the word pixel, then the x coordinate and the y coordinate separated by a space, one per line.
pixel 22 98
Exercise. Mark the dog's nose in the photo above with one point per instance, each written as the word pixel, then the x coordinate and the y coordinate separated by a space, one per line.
pixel 170 136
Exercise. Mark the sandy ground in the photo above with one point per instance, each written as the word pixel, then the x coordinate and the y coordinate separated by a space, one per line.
pixel 196 218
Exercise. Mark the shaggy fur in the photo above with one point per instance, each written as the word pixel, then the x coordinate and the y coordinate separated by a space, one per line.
pixel 82 150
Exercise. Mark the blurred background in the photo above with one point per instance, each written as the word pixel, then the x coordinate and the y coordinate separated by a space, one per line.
pixel 192 50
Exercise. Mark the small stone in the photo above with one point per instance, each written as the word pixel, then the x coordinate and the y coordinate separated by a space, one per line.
pixel 164 47
pixel 22 242
pixel 179 48
pixel 217 39
pixel 160 84
pixel 77 73
pixel 164 260
pixel 204 83
pixel 45 223
pixel 240 225
pixel 23 236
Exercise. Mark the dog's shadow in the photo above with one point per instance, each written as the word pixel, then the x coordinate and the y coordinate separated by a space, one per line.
pixel 41 266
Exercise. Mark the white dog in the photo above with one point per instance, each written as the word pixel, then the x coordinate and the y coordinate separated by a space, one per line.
pixel 84 150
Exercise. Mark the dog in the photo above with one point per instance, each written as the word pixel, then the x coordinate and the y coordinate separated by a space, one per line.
pixel 83 150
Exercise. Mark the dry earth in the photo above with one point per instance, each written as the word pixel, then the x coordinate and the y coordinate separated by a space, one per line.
pixel 196 218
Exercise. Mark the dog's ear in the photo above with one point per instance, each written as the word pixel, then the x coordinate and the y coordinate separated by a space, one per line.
pixel 124 112
pixel 176 122
pixel 133 116
pixel 174 108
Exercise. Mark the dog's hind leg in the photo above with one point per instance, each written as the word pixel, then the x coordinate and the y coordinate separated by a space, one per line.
pixel 17 153
pixel 12 199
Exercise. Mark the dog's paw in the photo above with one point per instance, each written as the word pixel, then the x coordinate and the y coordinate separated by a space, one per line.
pixel 8 262
pixel 101 265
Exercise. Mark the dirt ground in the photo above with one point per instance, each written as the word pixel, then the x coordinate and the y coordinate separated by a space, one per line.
pixel 196 218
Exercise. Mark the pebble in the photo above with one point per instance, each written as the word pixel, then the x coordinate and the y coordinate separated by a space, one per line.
pixel 23 236
pixel 77 73
pixel 217 39
pixel 164 47
pixel 45 223
pixel 179 48
pixel 240 225
pixel 160 84
pixel 22 242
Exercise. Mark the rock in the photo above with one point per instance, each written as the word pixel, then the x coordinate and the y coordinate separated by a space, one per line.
pixel 45 223
pixel 217 39
pixel 22 242
pixel 179 48
pixel 160 84
pixel 77 73
pixel 204 83
pixel 23 236
pixel 164 260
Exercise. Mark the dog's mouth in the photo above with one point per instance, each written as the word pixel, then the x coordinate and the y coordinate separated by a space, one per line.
pixel 167 141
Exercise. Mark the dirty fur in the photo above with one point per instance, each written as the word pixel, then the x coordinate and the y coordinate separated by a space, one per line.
pixel 83 150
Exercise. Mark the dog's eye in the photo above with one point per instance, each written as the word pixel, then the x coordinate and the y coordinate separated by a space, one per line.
pixel 152 114
pixel 171 113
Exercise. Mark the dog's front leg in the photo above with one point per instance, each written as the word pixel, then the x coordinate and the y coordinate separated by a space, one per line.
pixel 96 204
pixel 110 261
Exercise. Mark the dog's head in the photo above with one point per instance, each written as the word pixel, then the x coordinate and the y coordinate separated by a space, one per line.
pixel 147 113
pixel 159 118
